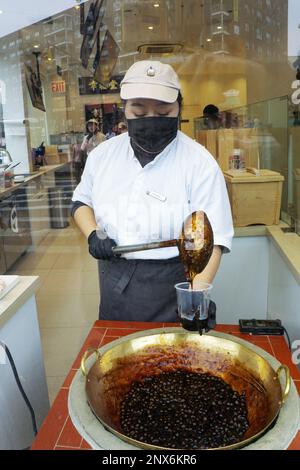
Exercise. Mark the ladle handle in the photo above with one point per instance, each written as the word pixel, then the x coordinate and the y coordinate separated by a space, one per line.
pixel 121 250
pixel 87 353
pixel 287 381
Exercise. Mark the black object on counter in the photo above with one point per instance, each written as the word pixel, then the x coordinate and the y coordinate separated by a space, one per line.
pixel 264 327
pixel 261 327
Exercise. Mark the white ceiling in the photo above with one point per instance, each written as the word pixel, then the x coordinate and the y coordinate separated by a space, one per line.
pixel 18 14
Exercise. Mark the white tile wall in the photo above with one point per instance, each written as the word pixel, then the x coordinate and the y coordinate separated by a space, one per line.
pixel 241 285
pixel 283 294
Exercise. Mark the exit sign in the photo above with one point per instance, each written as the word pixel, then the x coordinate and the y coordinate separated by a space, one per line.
pixel 58 86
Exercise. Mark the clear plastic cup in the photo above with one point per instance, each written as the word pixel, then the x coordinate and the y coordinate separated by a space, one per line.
pixel 193 303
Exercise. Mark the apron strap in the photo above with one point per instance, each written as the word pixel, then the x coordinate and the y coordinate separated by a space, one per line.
pixel 128 271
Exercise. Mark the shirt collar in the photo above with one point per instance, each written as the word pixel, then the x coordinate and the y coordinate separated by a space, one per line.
pixel 158 157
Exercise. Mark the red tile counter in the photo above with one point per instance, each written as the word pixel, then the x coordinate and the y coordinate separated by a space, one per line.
pixel 58 432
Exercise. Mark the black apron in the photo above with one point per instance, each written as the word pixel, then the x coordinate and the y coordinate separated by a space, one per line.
pixel 139 290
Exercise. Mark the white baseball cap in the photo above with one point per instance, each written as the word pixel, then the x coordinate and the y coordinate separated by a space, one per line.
pixel 150 79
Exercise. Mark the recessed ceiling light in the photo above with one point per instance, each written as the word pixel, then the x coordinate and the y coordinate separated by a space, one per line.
pixel 151 27
pixel 36 46
pixel 208 39
pixel 1 12
pixel 49 59
pixel 219 27
pixel 156 5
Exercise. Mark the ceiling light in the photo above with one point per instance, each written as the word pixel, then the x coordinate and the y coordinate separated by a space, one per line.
pixel 49 59
pixel 1 11
pixel 36 46
pixel 77 7
pixel 208 39
pixel 156 5
pixel 219 27
pixel 151 27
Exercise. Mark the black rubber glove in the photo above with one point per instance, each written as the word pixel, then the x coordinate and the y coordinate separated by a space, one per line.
pixel 100 248
pixel 197 325
pixel 212 316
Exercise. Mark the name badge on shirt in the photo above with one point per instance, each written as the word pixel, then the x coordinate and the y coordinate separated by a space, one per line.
pixel 159 197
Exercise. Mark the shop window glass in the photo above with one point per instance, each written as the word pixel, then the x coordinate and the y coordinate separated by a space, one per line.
pixel 233 54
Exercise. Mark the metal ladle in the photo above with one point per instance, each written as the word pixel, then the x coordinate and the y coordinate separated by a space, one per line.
pixel 195 244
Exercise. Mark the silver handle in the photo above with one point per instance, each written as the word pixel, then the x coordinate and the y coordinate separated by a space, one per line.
pixel 120 250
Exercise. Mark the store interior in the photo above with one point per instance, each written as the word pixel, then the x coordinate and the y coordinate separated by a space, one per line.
pixel 66 68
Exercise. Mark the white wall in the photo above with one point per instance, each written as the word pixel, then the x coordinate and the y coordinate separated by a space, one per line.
pixel 241 285
pixel 283 294
pixel 22 336
pixel 255 281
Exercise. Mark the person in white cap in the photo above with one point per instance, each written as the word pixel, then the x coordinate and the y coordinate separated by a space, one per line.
pixel 122 127
pixel 140 187
pixel 93 138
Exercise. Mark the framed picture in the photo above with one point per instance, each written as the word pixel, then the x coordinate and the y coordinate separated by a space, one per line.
pixel 94 111
pixel 35 88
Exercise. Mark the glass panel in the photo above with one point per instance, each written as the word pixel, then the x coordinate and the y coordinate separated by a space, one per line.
pixel 260 130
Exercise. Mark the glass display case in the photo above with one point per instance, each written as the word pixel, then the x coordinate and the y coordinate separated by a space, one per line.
pixel 267 135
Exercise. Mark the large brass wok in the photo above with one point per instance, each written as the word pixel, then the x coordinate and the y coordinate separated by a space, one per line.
pixel 112 374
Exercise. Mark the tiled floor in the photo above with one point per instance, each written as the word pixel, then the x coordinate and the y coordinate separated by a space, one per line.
pixel 67 299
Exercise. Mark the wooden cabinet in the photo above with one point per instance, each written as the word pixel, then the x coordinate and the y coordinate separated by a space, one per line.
pixel 254 199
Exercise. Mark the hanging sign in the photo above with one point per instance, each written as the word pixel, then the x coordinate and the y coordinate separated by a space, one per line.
pixel 90 86
pixel 58 86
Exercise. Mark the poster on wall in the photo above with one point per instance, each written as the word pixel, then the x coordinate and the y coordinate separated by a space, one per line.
pixel 108 115
pixel 34 88
pixel 94 111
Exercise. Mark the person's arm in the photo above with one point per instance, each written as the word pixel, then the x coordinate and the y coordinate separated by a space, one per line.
pixel 82 207
pixel 85 220
pixel 84 143
pixel 211 269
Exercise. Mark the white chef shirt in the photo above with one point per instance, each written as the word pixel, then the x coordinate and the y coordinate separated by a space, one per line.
pixel 139 205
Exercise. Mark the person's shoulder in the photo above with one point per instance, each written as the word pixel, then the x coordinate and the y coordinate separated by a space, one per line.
pixel 108 146
pixel 194 152
pixel 101 136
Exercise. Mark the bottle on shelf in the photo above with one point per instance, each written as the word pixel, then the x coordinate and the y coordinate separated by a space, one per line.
pixel 237 160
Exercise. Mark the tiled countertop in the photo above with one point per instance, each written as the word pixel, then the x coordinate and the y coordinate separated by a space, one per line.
pixel 58 432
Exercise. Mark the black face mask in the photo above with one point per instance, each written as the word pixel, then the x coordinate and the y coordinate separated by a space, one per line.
pixel 151 135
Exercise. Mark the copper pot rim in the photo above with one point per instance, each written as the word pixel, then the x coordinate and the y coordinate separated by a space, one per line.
pixel 224 336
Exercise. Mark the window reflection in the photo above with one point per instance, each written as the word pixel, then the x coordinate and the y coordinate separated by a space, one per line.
pixel 239 56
